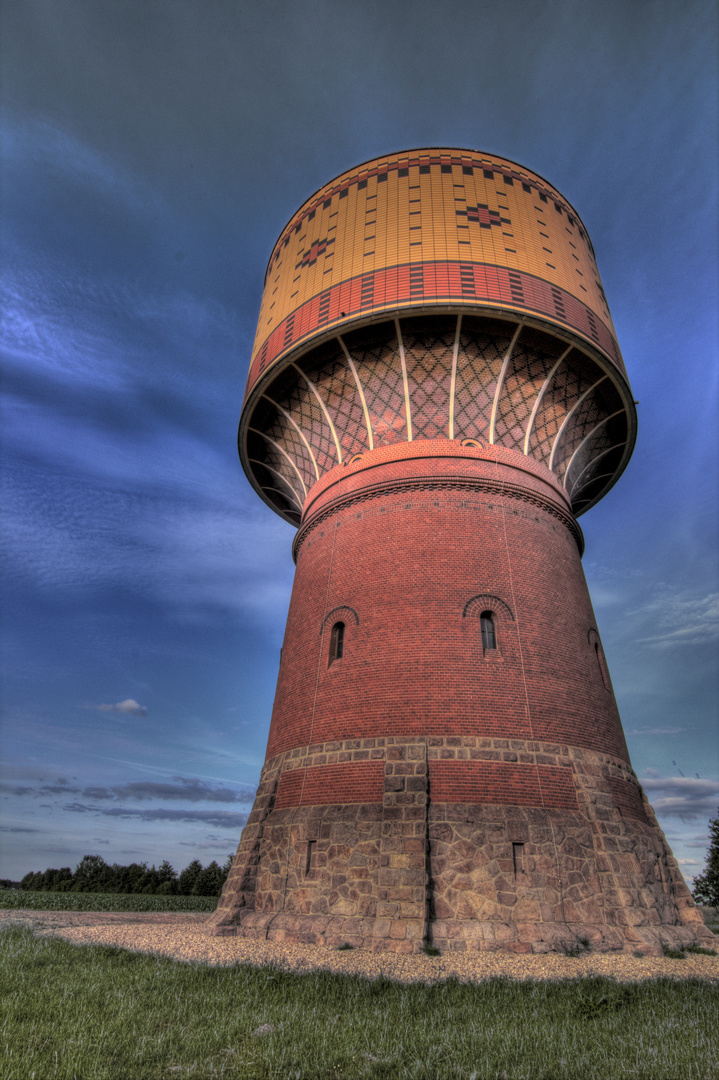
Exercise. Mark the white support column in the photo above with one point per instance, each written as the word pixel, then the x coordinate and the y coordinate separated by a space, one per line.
pixel 500 382
pixel 453 383
pixel 540 395
pixel 404 380
pixel 360 391
pixel 575 485
pixel 589 434
pixel 571 413
pixel 322 405
pixel 285 481
pixel 297 428
pixel 284 454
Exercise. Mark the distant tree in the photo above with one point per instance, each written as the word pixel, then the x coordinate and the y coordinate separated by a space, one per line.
pixel 53 880
pixel 150 882
pixel 209 881
pixel 226 867
pixel 188 877
pixel 706 885
pixel 127 879
pixel 91 873
pixel 167 875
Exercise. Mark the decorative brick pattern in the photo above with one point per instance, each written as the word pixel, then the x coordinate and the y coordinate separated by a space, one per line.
pixel 428 346
pixel 444 394
pixel 338 389
pixel 482 348
pixel 432 243
pixel 489 282
pixel 380 372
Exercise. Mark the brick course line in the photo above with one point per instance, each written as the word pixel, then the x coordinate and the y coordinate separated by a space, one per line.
pixel 439 483
pixel 355 782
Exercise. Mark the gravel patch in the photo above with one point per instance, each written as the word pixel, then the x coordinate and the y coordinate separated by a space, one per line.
pixel 185 937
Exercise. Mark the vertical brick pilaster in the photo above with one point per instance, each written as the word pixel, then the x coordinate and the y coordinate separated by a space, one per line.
pixel 401 923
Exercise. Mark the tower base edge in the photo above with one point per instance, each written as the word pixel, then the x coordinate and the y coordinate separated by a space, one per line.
pixel 492 844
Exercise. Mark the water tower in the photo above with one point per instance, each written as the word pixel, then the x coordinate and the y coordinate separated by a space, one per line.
pixel 435 395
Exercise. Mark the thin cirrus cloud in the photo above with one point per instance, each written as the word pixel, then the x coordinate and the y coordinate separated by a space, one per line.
pixel 682 619
pixel 150 539
pixel 128 707
pixel 179 788
pixel 182 788
pixel 657 731
pixel 220 819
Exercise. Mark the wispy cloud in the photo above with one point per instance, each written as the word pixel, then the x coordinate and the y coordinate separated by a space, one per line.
pixel 128 707
pixel 181 788
pixel 680 619
pixel 220 819
pixel 683 796
pixel 163 536
pixel 178 789
pixel 657 731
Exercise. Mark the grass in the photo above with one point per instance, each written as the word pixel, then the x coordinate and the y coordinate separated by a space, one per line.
pixel 101 1013
pixel 681 954
pixel 78 901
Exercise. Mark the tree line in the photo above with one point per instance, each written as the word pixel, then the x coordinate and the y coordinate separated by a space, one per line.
pixel 706 885
pixel 93 874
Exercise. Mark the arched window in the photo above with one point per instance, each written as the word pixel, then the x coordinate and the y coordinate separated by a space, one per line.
pixel 337 642
pixel 489 632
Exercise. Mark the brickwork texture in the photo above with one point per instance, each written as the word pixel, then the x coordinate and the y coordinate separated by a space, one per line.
pixel 446 763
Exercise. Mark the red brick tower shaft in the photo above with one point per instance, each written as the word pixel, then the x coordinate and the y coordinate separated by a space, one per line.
pixel 446 760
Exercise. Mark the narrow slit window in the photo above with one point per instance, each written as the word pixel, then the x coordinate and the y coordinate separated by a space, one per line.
pixel 308 860
pixel 518 858
pixel 337 642
pixel 489 631
pixel 602 665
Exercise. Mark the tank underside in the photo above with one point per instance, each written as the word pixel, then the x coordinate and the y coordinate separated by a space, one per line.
pixel 460 376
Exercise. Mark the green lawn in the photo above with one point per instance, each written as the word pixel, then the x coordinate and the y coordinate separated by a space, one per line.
pixel 96 1012
pixel 82 901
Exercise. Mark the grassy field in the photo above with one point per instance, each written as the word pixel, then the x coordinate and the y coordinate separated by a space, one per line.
pixel 100 1013
pixel 70 901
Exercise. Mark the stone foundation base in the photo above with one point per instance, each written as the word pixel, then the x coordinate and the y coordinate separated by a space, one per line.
pixel 593 871
pixel 466 936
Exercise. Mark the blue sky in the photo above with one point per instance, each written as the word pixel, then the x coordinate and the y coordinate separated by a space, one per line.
pixel 152 152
